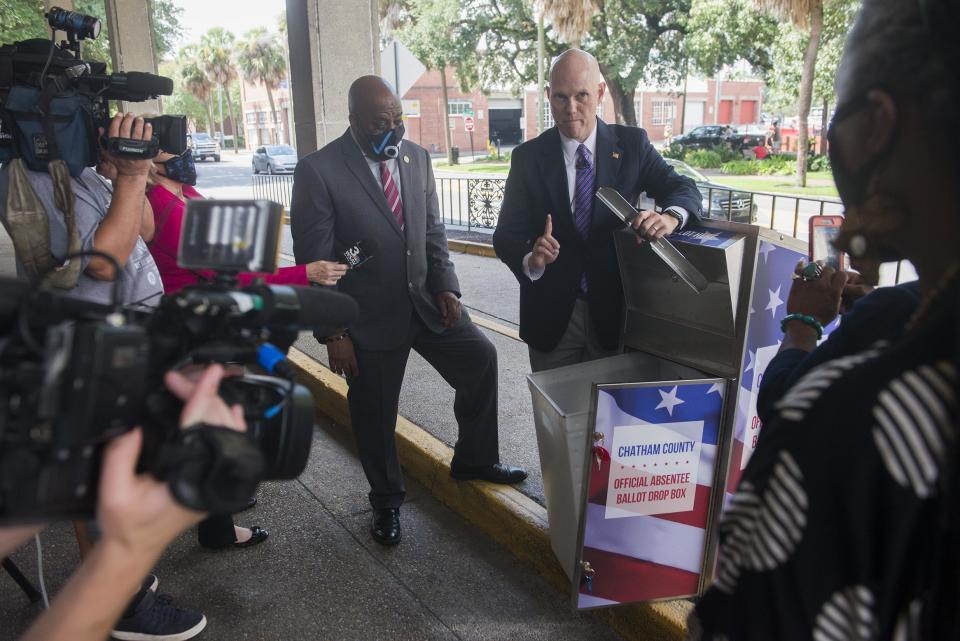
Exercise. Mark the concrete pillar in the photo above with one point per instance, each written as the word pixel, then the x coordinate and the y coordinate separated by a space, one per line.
pixel 332 43
pixel 131 44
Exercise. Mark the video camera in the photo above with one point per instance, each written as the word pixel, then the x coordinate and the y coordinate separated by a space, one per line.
pixel 74 374
pixel 52 102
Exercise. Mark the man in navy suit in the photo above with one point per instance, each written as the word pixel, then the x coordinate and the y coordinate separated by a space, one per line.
pixel 554 237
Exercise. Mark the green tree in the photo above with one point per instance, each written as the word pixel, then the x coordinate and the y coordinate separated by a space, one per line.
pixel 182 101
pixel 429 30
pixel 165 19
pixel 260 57
pixel 195 80
pixel 22 19
pixel 216 50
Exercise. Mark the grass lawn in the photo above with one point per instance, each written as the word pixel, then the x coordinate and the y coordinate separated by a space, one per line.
pixel 782 184
pixel 473 168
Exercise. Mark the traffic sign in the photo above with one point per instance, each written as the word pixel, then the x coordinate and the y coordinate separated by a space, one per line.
pixel 468 123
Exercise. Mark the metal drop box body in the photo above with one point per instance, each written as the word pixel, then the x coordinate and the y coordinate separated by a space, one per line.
pixel 677 344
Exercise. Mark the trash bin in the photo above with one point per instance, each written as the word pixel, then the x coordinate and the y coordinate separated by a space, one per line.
pixel 455 155
pixel 639 451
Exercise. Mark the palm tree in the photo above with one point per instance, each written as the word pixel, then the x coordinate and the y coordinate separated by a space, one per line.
pixel 261 59
pixel 217 47
pixel 805 14
pixel 570 18
pixel 195 79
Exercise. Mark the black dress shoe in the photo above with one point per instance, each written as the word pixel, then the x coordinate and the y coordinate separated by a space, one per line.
pixel 385 528
pixel 496 473
pixel 257 535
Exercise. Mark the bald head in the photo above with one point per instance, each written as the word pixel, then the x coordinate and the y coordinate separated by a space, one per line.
pixel 575 91
pixel 575 62
pixel 367 90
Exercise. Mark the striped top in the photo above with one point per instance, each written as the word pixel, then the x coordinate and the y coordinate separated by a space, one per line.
pixel 835 529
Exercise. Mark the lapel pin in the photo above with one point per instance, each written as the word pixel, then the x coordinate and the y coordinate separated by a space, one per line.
pixel 616 155
pixel 406 159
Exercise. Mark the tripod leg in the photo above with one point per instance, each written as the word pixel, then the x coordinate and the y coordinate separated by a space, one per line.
pixel 21 580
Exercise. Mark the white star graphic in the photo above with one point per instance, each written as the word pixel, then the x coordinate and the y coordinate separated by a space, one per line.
pixel 668 400
pixel 716 388
pixel 775 301
pixel 765 249
pixel 753 359
pixel 707 236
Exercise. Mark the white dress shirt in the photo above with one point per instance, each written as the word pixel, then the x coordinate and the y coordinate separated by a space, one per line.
pixel 570 146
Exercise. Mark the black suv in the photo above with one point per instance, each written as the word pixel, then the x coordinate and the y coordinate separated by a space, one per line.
pixel 704 137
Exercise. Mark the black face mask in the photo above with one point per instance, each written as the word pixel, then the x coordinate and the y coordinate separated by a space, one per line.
pixel 182 168
pixel 386 145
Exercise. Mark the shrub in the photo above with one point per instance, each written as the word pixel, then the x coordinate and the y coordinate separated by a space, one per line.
pixel 726 153
pixel 742 167
pixel 777 166
pixel 703 158
pixel 674 151
pixel 819 163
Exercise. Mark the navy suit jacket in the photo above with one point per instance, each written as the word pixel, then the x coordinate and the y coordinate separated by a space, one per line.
pixel 537 186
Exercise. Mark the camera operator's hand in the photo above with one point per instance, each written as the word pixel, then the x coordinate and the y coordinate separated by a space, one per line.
pixel 203 403
pixel 134 127
pixel 343 357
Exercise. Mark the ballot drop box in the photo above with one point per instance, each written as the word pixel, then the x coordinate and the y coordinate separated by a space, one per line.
pixel 641 451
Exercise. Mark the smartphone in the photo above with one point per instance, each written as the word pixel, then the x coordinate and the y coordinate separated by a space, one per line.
pixel 823 233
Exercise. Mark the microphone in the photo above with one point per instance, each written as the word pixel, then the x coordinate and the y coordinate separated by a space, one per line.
pixel 277 306
pixel 136 86
pixel 360 252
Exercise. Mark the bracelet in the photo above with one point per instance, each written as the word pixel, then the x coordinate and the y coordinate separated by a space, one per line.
pixel 673 214
pixel 806 319
pixel 334 339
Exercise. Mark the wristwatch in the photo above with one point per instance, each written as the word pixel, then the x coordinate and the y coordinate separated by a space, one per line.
pixel 673 214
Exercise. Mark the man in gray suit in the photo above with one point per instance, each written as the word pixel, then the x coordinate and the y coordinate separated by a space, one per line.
pixel 373 188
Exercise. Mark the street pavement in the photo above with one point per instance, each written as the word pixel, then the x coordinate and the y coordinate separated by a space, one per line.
pixel 320 575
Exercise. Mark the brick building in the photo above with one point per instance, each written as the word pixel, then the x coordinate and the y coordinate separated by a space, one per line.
pixel 259 128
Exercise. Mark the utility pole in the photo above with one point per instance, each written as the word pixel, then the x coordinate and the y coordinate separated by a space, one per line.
pixel 541 54
pixel 220 98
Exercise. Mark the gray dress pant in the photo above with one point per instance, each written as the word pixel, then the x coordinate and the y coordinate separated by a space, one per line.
pixel 578 344
pixel 466 360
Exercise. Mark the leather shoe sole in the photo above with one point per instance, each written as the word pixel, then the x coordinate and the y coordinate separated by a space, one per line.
pixel 499 473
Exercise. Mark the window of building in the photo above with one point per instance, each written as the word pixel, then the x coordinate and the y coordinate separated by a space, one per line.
pixel 547 115
pixel 664 112
pixel 460 107
pixel 251 118
pixel 262 116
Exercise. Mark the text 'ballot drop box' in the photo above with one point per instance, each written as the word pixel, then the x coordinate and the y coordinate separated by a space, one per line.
pixel 636 449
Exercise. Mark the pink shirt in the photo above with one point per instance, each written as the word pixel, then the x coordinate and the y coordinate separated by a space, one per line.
pixel 168 216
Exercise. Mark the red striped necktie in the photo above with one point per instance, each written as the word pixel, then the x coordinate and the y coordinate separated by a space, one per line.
pixel 392 193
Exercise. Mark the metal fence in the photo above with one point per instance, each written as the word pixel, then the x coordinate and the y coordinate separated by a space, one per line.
pixel 472 202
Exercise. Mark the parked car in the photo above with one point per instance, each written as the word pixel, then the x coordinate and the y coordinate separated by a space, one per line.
pixel 274 159
pixel 204 146
pixel 719 201
pixel 703 137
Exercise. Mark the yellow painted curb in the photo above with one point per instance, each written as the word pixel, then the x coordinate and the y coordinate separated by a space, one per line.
pixel 503 513
pixel 467 247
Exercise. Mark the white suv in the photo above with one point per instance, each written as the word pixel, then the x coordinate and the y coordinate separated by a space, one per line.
pixel 204 146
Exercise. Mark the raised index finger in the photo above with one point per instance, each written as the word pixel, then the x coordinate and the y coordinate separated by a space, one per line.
pixel 548 229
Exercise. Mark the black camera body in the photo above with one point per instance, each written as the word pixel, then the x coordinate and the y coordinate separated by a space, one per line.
pixel 52 103
pixel 74 374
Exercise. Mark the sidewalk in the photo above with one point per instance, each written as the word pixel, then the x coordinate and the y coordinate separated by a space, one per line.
pixel 320 576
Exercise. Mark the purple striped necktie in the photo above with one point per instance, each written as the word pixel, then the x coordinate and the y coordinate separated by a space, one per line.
pixel 583 200
pixel 583 192
pixel 392 193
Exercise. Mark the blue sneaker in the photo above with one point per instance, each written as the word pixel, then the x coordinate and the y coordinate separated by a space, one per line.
pixel 155 618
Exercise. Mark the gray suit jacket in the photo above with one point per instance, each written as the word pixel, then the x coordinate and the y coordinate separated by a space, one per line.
pixel 338 202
